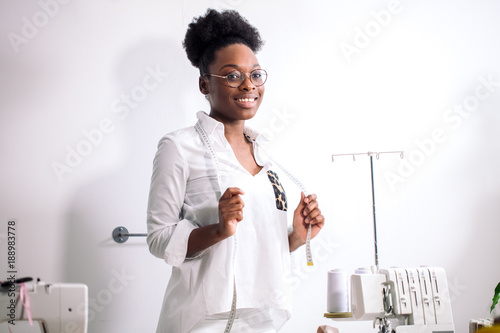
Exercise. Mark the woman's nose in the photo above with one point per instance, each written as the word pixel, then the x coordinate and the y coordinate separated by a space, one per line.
pixel 247 84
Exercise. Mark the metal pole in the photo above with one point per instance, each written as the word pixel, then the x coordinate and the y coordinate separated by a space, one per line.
pixel 374 218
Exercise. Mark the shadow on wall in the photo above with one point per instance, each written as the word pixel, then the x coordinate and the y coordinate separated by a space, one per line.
pixel 119 275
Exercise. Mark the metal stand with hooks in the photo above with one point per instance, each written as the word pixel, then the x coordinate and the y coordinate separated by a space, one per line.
pixel 377 156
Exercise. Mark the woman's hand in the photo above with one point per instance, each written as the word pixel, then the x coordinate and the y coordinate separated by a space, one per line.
pixel 230 214
pixel 230 211
pixel 307 212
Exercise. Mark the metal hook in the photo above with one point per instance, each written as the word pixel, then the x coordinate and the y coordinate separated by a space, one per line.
pixel 354 158
pixel 121 234
pixel 402 155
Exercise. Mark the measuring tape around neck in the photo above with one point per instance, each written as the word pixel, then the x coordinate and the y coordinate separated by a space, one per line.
pixel 206 141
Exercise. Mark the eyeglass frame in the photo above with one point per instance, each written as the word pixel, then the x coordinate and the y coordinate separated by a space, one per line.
pixel 244 77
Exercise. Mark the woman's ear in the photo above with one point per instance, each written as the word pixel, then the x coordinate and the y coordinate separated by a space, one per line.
pixel 203 83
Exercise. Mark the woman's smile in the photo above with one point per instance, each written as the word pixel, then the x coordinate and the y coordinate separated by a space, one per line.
pixel 248 101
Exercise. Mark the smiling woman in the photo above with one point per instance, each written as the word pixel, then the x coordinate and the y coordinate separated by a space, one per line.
pixel 217 211
pixel 230 101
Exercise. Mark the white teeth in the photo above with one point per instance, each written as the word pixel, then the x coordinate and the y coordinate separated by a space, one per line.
pixel 245 99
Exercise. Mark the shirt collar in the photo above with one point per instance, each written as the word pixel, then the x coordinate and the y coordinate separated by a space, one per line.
pixel 210 125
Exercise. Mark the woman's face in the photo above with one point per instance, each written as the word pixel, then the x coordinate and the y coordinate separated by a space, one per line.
pixel 229 104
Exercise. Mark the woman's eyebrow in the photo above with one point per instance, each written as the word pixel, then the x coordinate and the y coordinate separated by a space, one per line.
pixel 236 66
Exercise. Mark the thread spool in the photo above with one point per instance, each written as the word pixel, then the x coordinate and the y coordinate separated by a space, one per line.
pixel 338 296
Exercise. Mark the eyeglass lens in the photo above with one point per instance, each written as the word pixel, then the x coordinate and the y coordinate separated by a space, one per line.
pixel 258 77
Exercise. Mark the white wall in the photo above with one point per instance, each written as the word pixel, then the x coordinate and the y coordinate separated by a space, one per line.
pixel 66 74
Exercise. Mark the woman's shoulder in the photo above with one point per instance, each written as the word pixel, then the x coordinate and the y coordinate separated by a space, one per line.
pixel 176 147
pixel 179 142
pixel 181 135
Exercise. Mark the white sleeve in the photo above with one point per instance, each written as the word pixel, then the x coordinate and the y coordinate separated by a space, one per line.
pixel 168 234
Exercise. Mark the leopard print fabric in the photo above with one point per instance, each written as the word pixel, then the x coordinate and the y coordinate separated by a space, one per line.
pixel 279 191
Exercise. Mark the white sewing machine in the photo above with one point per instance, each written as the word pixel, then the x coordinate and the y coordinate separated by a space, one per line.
pixel 55 308
pixel 402 300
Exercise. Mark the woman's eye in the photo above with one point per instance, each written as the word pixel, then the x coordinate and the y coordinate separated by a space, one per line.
pixel 234 76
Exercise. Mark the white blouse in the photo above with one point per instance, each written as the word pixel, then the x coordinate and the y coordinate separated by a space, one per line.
pixel 183 196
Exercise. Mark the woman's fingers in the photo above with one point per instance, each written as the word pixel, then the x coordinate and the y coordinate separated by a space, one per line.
pixel 230 210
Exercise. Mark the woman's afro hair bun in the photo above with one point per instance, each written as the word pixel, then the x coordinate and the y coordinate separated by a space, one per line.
pixel 215 30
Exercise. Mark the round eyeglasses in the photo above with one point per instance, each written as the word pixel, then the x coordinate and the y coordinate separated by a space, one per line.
pixel 236 78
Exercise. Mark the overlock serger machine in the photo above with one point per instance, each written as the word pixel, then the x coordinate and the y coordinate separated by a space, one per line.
pixel 398 300
pixel 403 300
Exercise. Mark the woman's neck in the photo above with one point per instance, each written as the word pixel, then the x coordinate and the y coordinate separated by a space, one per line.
pixel 234 132
pixel 233 129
